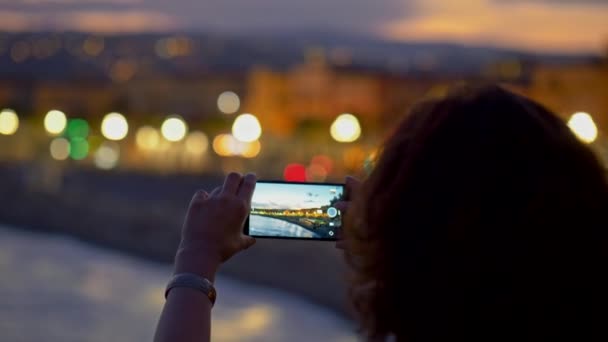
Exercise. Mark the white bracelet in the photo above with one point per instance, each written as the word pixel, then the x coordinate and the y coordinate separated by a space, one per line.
pixel 193 281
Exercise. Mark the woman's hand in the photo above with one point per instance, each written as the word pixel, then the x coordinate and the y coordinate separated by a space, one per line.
pixel 213 228
pixel 352 186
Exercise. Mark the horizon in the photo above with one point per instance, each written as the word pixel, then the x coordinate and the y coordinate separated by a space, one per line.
pixel 537 26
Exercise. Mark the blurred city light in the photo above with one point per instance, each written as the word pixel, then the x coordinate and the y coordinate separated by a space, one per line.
pixel 77 128
pixel 114 126
pixel 147 138
pixel 197 143
pixel 228 102
pixel 323 161
pixel 295 173
pixel 246 128
pixel 93 46
pixel 174 128
pixel 79 148
pixel 226 145
pixel 345 128
pixel 60 149
pixel 316 173
pixel 20 51
pixel 55 122
pixel 173 47
pixel 250 149
pixel 223 144
pixel 9 122
pixel 583 127
pixel 107 155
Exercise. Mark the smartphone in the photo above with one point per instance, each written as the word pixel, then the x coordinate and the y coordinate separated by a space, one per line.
pixel 288 210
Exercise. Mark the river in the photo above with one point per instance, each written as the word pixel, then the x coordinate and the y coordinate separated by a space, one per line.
pixel 269 226
pixel 54 288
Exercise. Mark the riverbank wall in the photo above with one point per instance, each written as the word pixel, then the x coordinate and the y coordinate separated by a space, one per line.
pixel 141 214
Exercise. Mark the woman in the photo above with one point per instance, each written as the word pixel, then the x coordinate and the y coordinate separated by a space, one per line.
pixel 484 218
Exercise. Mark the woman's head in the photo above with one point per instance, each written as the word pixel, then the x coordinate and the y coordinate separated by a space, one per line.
pixel 482 213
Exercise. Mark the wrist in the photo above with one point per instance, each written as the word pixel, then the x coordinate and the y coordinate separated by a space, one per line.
pixel 200 262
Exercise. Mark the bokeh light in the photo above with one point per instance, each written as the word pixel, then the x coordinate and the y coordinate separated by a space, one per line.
pixel 174 128
pixel 295 173
pixel 345 128
pixel 197 143
pixel 77 128
pixel 583 126
pixel 79 148
pixel 55 122
pixel 147 138
pixel 246 128
pixel 107 155
pixel 226 145
pixel 228 102
pixel 323 161
pixel 114 126
pixel 60 149
pixel 250 149
pixel 316 173
pixel 223 144
pixel 9 122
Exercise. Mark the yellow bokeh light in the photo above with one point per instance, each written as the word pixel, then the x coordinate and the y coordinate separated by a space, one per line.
pixel 9 122
pixel 55 122
pixel 228 102
pixel 224 145
pixel 246 128
pixel 60 149
pixel 114 126
pixel 197 143
pixel 583 127
pixel 174 128
pixel 345 128
pixel 147 138
pixel 107 155
pixel 250 150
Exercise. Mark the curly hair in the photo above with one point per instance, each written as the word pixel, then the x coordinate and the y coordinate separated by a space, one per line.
pixel 484 217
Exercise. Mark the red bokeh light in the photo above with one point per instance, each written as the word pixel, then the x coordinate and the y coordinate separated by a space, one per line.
pixel 323 161
pixel 295 173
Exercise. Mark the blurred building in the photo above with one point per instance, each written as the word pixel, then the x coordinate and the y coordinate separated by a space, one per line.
pixel 567 89
pixel 316 92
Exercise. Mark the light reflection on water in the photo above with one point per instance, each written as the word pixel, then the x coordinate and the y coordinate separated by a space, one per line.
pixel 57 289
pixel 268 226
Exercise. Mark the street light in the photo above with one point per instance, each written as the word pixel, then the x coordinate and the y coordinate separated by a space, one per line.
pixel 174 128
pixel 55 122
pixel 9 122
pixel 147 138
pixel 114 126
pixel 583 127
pixel 345 128
pixel 246 128
pixel 197 143
pixel 228 102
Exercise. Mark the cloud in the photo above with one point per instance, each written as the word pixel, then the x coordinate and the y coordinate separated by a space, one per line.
pixel 235 15
pixel 532 25
pixel 549 25
pixel 90 21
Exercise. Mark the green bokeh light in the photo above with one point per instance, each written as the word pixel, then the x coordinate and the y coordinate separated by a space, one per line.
pixel 77 128
pixel 79 148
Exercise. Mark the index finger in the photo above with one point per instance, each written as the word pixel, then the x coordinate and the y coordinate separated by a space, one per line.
pixel 231 183
pixel 245 191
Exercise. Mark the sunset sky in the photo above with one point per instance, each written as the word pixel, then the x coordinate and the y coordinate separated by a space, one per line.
pixel 536 25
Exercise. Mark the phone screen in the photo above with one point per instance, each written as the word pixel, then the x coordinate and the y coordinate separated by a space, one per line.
pixel 295 210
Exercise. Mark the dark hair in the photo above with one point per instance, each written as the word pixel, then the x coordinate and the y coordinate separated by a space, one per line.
pixel 481 219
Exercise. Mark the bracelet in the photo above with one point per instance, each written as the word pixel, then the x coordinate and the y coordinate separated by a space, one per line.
pixel 193 281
